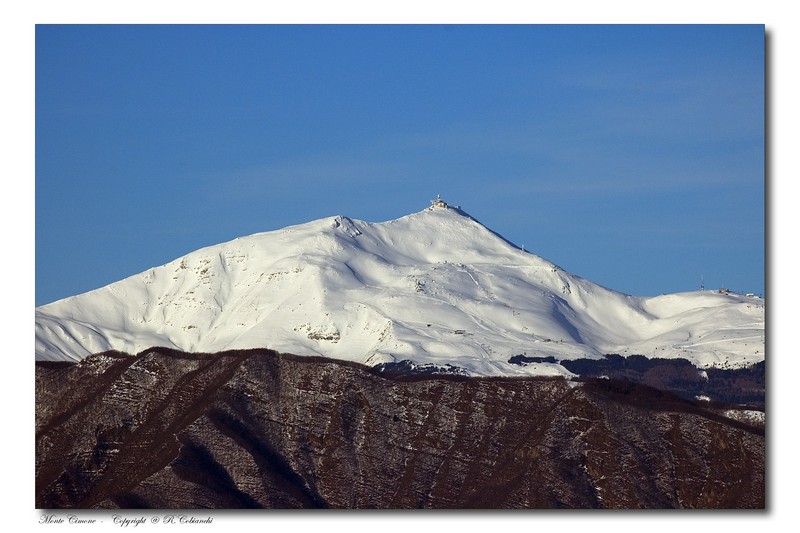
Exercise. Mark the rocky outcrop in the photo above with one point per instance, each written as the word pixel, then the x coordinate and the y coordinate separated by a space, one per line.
pixel 252 429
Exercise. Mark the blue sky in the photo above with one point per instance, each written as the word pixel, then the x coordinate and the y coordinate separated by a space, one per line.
pixel 630 155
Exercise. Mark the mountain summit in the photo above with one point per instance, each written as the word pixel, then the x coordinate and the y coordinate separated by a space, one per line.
pixel 431 288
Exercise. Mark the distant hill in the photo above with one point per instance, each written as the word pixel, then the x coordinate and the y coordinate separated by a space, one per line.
pixel 434 289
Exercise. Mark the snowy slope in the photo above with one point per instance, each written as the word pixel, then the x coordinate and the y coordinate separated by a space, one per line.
pixel 435 287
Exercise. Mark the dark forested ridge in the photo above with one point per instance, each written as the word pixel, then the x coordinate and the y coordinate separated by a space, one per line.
pixel 253 429
pixel 743 386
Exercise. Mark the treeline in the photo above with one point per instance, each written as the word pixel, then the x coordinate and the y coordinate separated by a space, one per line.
pixel 742 386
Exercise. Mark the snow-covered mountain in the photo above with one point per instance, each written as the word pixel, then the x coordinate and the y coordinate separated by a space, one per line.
pixel 434 287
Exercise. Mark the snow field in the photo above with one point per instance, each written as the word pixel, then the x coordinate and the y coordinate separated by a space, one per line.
pixel 435 287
